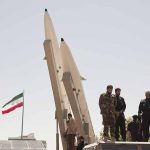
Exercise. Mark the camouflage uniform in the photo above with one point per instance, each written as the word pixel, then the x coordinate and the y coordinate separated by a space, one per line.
pixel 107 107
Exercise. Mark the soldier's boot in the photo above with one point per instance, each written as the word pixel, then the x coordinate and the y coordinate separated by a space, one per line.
pixel 113 139
pixel 105 138
pixel 106 129
pixel 145 139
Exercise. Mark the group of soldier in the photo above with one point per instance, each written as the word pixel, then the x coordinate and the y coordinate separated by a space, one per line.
pixel 112 108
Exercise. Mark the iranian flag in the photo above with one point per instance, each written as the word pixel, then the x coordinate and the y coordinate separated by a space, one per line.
pixel 14 103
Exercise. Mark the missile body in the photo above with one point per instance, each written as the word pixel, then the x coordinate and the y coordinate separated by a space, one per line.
pixel 70 66
pixel 54 62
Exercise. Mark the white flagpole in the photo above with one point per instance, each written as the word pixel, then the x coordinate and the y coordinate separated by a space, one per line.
pixel 22 118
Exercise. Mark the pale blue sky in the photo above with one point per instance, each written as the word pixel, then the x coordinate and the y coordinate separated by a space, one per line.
pixel 109 41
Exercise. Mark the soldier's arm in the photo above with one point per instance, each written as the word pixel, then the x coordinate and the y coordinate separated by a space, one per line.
pixel 124 105
pixel 100 101
pixel 115 102
pixel 129 127
pixel 73 125
pixel 140 109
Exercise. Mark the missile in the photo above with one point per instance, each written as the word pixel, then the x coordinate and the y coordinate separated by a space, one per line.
pixel 54 62
pixel 71 67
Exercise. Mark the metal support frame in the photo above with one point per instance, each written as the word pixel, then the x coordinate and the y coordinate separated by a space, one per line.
pixel 68 84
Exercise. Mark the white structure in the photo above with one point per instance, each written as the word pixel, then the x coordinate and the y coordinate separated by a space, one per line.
pixel 22 145
pixel 119 146
pixel 66 84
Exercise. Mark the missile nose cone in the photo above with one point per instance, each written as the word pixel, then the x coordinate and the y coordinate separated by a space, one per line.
pixel 62 40
pixel 45 9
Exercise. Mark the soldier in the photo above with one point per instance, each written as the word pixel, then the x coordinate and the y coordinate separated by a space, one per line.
pixel 107 107
pixel 120 107
pixel 134 129
pixel 144 111
pixel 81 143
pixel 71 132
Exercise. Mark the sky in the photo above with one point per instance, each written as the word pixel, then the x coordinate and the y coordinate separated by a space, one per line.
pixel 110 44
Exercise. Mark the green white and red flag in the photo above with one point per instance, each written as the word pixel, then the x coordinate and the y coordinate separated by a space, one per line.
pixel 14 103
